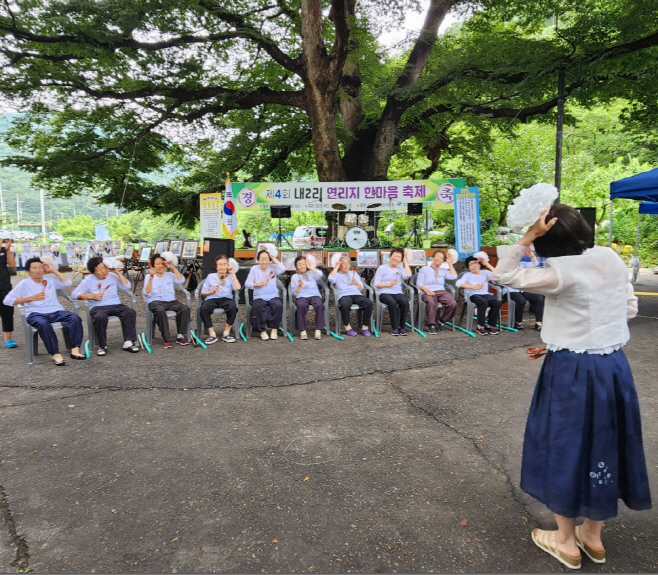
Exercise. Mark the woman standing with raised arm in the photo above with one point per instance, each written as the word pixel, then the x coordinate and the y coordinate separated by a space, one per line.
pixel 583 441
pixel 388 280
pixel 348 291
pixel 267 307
pixel 304 285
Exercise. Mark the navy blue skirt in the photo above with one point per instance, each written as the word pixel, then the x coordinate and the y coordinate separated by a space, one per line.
pixel 583 440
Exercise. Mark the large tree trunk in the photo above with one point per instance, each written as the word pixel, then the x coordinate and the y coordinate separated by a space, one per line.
pixel 320 88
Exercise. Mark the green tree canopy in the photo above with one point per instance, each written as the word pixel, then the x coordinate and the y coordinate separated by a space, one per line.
pixel 146 103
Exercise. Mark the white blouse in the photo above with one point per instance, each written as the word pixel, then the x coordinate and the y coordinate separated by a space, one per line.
pixel 589 298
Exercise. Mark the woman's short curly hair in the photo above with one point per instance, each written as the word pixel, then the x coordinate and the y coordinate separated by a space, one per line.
pixel 570 236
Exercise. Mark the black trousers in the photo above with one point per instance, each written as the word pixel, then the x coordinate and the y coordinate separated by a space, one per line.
pixel 210 305
pixel 266 314
pixel 536 305
pixel 398 308
pixel 127 315
pixel 160 309
pixel 7 312
pixel 482 302
pixel 365 309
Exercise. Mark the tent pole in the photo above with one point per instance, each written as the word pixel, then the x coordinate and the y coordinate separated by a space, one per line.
pixel 637 234
pixel 610 226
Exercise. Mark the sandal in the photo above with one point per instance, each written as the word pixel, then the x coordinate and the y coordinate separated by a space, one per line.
pixel 535 349
pixel 518 326
pixel 101 351
pixel 596 556
pixel 60 363
pixel 549 544
pixel 78 357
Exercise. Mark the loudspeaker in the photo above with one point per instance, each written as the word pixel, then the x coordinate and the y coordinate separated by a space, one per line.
pixel 280 212
pixel 415 209
pixel 216 246
pixel 590 217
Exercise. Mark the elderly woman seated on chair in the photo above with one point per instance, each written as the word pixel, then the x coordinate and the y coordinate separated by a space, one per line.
pixel 431 281
pixel 218 291
pixel 267 307
pixel 476 285
pixel 100 291
pixel 348 292
pixel 38 294
pixel 161 294
pixel 388 280
pixel 304 284
pixel 520 297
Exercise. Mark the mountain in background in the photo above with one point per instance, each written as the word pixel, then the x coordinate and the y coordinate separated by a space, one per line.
pixel 16 184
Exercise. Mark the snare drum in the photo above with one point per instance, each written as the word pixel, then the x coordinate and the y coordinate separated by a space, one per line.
pixel 342 230
pixel 364 219
pixel 350 220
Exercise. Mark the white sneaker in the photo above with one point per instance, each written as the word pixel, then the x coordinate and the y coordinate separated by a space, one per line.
pixel 302 335
pixel 318 334
pixel 274 335
pixel 264 336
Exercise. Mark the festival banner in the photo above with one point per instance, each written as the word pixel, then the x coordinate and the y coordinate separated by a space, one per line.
pixel 467 221
pixel 211 215
pixel 347 196
pixel 229 217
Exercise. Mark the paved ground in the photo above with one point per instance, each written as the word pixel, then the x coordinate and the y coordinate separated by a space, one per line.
pixel 380 455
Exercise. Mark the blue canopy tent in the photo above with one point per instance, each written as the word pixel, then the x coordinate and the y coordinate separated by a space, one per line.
pixel 644 187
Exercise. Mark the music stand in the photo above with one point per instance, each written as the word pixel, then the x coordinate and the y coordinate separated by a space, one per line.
pixel 281 212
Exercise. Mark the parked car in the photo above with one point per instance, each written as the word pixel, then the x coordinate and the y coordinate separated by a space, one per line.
pixel 55 237
pixel 306 237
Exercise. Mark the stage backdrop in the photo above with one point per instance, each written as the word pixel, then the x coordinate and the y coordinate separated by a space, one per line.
pixel 353 196
pixel 211 215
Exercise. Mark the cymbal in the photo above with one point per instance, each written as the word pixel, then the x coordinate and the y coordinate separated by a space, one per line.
pixel 338 206
pixel 372 206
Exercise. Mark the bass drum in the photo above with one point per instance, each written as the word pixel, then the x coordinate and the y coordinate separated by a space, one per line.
pixel 350 220
pixel 356 238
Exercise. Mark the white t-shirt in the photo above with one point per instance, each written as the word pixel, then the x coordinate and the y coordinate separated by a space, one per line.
pixel 256 275
pixel 344 285
pixel 434 279
pixel 162 288
pixel 108 287
pixel 309 285
pixel 224 291
pixel 28 287
pixel 386 274
pixel 470 278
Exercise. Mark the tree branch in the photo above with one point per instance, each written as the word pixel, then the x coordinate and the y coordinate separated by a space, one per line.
pixel 247 31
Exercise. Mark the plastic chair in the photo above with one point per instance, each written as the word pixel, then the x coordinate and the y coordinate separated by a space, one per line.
pixel 368 292
pixel 293 306
pixel 468 307
pixel 382 306
pixel 31 333
pixel 283 294
pixel 93 338
pixel 199 299
pixel 150 318
pixel 422 305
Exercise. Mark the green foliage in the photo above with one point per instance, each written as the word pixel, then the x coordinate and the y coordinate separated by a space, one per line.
pixel 80 228
pixel 400 227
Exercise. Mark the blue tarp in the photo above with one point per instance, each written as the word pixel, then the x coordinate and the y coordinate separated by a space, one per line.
pixel 649 208
pixel 642 186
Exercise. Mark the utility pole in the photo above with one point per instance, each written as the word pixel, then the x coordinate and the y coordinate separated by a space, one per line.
pixel 2 201
pixel 74 211
pixel 18 211
pixel 43 216
pixel 559 132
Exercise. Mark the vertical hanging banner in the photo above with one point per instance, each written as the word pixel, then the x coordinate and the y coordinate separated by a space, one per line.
pixel 229 217
pixel 467 221
pixel 210 206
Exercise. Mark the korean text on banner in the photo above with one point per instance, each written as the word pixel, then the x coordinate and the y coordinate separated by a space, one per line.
pixel 354 196
pixel 467 221
pixel 210 206
pixel 229 216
